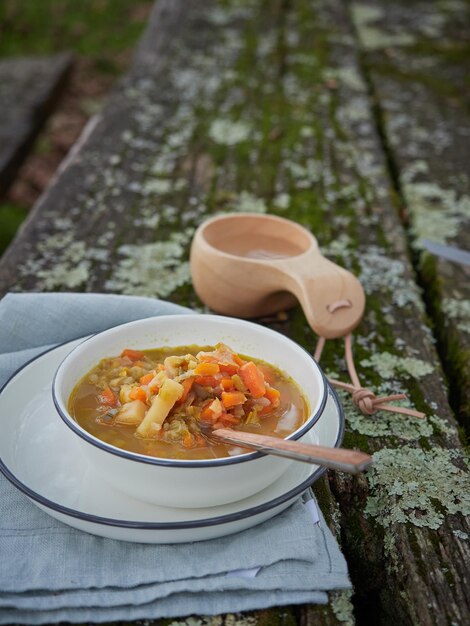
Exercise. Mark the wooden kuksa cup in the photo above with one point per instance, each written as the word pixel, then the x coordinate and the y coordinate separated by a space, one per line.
pixel 249 265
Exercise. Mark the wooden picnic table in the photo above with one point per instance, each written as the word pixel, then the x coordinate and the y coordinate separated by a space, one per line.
pixel 351 119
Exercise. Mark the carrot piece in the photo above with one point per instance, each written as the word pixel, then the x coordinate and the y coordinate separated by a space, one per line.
pixel 107 397
pixel 207 357
pixel 206 369
pixel 187 384
pixel 133 355
pixel 147 378
pixel 274 396
pixel 188 440
pixel 227 384
pixel 229 419
pixel 211 410
pixel 253 378
pixel 138 394
pixel 207 415
pixel 238 359
pixel 207 381
pixel 232 398
pixel 229 368
pixel 200 441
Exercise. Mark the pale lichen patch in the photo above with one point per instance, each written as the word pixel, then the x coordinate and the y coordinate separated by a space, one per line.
pixel 459 311
pixel 347 75
pixel 373 37
pixel 64 275
pixel 282 201
pixel 357 109
pixel 388 365
pixel 163 164
pixel 305 175
pixel 227 132
pixel 364 14
pixel 198 621
pixel 382 273
pixel 238 619
pixel 303 59
pixel 342 606
pixel 153 269
pixel 306 132
pixel 460 534
pixel 62 223
pixel 62 262
pixel 340 246
pixel 157 186
pixel 384 423
pixel 414 169
pixel 230 619
pixel 149 217
pixel 246 202
pixel 441 425
pixel 417 486
pixel 437 214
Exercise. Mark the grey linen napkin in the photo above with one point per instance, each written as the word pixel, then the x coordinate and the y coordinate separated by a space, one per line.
pixel 50 572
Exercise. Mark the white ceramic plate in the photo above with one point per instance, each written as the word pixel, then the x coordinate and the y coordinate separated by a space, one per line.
pixel 41 457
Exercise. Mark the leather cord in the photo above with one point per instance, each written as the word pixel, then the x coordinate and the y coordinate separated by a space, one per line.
pixel 365 399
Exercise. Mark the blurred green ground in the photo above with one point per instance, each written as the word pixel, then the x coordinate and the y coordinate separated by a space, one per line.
pixel 98 30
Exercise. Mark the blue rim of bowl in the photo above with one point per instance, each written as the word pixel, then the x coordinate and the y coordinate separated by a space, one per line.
pixel 212 521
pixel 180 463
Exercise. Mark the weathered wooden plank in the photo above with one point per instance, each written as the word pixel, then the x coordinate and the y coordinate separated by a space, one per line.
pixel 123 210
pixel 418 57
pixel 410 584
pixel 28 89
pixel 256 106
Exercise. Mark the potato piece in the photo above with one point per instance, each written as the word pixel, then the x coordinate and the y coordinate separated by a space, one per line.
pixel 132 413
pixel 173 365
pixel 157 381
pixel 124 393
pixel 178 365
pixel 164 401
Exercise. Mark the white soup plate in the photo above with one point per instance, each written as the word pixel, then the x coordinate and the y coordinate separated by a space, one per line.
pixel 44 459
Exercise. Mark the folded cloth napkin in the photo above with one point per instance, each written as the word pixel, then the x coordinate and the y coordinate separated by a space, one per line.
pixel 53 573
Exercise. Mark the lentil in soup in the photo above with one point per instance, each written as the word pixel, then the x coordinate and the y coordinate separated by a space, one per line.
pixel 166 402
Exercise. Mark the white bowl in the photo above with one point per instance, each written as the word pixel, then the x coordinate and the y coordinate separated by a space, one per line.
pixel 189 483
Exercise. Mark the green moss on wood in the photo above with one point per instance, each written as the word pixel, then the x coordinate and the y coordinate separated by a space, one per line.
pixel 11 217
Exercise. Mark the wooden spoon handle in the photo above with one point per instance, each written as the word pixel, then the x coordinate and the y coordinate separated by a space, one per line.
pixel 351 461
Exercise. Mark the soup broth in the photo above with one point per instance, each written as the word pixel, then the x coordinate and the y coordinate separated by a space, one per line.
pixel 166 402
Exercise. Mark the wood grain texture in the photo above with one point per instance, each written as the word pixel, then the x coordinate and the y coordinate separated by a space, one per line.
pixel 29 87
pixel 262 106
pixel 417 56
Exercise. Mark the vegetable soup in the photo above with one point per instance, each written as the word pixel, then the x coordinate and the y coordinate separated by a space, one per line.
pixel 166 402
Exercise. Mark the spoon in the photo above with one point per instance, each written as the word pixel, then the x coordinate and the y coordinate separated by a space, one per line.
pixel 350 461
